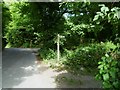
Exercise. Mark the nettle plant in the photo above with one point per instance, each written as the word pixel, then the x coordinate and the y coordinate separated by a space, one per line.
pixel 109 69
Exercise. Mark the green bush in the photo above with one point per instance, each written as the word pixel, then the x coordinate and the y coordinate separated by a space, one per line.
pixel 85 56
pixel 22 37
pixel 47 53
pixel 109 69
pixel 88 55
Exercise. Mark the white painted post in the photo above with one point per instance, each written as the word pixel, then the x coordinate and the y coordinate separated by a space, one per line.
pixel 58 47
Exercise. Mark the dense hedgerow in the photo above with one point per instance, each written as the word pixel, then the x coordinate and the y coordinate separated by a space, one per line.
pixel 109 68
pixel 85 56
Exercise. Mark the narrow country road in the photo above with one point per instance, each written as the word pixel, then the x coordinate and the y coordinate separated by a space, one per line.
pixel 20 70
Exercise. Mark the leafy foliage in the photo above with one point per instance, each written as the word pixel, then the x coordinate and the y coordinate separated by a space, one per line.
pixel 48 54
pixel 91 30
pixel 38 30
pixel 5 21
pixel 19 26
pixel 109 69
pixel 5 18
pixel 84 55
pixel 106 18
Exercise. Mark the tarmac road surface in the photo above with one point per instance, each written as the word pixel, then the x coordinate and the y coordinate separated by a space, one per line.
pixel 20 70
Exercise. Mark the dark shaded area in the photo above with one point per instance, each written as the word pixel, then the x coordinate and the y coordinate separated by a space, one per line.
pixel 68 80
pixel 4 43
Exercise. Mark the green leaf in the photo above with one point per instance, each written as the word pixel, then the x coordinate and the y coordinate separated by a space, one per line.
pixel 104 9
pixel 100 66
pixel 106 55
pixel 101 71
pixel 106 67
pixel 103 58
pixel 99 62
pixel 112 74
pixel 98 76
pixel 98 22
pixel 113 69
pixel 107 85
pixel 116 84
pixel 113 63
pixel 106 76
pixel 103 5
pixel 96 17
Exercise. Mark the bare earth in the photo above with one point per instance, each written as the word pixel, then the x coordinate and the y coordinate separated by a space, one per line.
pixel 21 70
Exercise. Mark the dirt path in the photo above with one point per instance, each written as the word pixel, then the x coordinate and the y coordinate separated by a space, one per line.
pixel 20 70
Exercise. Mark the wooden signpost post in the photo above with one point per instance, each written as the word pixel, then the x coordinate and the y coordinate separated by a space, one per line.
pixel 58 46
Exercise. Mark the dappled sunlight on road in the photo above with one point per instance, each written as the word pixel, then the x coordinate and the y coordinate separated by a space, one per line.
pixel 22 70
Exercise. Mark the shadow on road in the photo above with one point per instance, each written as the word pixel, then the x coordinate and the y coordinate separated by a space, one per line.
pixel 68 80
pixel 20 70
